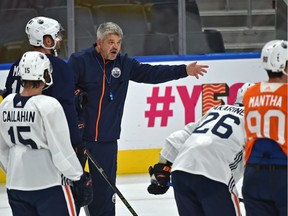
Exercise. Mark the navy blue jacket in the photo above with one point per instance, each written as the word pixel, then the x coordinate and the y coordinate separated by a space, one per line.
pixel 103 114
pixel 62 89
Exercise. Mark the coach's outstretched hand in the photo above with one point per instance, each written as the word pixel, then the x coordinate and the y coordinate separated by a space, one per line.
pixel 82 190
pixel 194 69
pixel 160 178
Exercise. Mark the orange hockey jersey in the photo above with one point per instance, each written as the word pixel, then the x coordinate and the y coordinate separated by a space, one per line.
pixel 266 114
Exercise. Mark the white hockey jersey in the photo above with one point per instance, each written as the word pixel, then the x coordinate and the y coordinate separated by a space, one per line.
pixel 212 147
pixel 35 147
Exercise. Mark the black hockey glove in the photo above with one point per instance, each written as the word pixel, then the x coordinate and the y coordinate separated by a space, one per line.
pixel 160 178
pixel 81 154
pixel 81 100
pixel 82 190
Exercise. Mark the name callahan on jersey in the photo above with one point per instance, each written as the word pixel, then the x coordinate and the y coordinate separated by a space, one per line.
pixel 19 116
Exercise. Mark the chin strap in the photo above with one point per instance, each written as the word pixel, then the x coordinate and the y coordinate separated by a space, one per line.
pixel 55 52
pixel 53 48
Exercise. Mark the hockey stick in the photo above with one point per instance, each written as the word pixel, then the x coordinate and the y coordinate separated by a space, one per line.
pixel 86 210
pixel 102 172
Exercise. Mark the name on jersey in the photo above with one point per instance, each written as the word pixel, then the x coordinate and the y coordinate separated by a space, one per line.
pixel 233 109
pixel 16 70
pixel 18 116
pixel 265 100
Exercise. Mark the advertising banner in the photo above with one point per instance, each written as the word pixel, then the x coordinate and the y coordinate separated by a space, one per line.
pixel 152 112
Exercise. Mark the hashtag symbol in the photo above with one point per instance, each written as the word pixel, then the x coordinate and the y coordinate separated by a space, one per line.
pixel 164 113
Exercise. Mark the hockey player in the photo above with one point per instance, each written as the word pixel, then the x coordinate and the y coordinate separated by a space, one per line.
pixel 35 147
pixel 104 73
pixel 266 123
pixel 207 158
pixel 44 35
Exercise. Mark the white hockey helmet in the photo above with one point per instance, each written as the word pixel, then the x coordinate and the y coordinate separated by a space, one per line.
pixel 274 56
pixel 38 27
pixel 33 65
pixel 241 91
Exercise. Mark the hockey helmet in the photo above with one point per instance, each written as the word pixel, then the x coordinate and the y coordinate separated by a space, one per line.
pixel 274 55
pixel 33 65
pixel 38 27
pixel 241 91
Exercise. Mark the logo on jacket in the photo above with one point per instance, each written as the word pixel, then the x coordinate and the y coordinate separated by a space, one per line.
pixel 116 72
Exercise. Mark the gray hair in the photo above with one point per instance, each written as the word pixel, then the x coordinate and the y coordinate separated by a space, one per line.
pixel 108 28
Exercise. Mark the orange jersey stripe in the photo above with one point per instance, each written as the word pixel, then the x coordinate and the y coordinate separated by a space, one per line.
pixel 236 204
pixel 266 114
pixel 70 200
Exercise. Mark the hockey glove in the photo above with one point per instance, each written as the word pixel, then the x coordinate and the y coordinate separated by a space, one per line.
pixel 82 190
pixel 160 178
pixel 81 154
pixel 81 100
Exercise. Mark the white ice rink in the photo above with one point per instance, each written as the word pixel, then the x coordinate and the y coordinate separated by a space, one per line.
pixel 133 188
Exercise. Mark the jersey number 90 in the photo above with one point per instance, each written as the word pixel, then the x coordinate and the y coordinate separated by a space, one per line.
pixel 264 128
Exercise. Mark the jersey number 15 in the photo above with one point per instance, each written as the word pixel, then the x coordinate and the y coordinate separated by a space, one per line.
pixel 19 131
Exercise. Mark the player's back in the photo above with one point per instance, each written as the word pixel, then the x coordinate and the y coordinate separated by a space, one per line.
pixel 24 131
pixel 216 143
pixel 63 82
pixel 266 120
pixel 62 89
